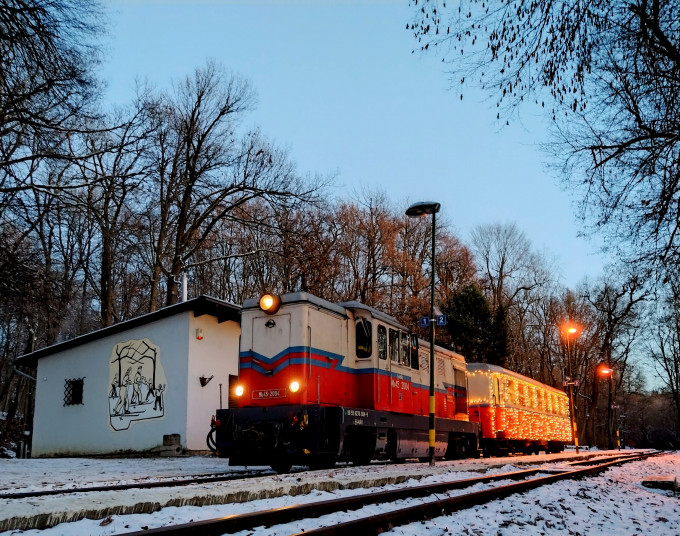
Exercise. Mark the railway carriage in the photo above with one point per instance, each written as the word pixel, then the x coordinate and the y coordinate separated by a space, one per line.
pixel 517 413
pixel 321 382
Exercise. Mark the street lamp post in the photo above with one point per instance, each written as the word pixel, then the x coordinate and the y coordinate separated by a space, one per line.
pixel 609 372
pixel 418 210
pixel 571 330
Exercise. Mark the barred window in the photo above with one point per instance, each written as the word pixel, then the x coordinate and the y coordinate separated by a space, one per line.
pixel 73 392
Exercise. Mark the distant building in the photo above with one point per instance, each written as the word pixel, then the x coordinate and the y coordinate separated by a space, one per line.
pixel 124 388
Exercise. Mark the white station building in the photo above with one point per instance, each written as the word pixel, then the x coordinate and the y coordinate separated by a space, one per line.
pixel 147 385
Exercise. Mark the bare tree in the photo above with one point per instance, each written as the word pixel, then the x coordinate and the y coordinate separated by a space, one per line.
pixel 665 348
pixel 203 170
pixel 114 175
pixel 608 75
pixel 507 262
pixel 367 244
pixel 509 270
pixel 47 54
pixel 617 307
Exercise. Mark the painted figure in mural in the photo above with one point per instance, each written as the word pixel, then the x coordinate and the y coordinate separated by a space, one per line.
pixel 136 381
pixel 123 405
pixel 149 390
pixel 137 393
pixel 158 404
pixel 114 387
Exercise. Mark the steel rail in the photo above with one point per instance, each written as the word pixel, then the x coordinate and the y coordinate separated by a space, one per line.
pixel 375 524
pixel 604 459
pixel 182 481
pixel 287 514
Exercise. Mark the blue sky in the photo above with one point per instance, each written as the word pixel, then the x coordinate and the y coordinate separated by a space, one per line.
pixel 338 87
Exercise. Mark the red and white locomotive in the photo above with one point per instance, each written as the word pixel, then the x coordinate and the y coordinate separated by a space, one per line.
pixel 321 382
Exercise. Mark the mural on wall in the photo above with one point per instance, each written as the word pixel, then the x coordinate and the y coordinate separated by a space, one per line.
pixel 137 383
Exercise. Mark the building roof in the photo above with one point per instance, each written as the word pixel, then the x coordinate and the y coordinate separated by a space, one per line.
pixel 203 305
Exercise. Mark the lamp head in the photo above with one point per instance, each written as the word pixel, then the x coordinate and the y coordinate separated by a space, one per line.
pixel 605 370
pixel 570 329
pixel 417 210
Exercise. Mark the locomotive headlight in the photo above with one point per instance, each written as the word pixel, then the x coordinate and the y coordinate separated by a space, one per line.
pixel 294 387
pixel 270 303
pixel 238 390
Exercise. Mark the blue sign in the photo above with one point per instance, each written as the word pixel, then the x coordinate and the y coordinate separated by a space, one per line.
pixel 424 321
pixel 441 320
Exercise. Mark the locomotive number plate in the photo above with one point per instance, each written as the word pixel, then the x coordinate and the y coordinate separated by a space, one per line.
pixel 269 393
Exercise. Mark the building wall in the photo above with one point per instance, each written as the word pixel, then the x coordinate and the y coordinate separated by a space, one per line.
pixel 216 355
pixel 93 427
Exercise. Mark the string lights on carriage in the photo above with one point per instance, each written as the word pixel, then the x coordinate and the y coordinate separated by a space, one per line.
pixel 548 412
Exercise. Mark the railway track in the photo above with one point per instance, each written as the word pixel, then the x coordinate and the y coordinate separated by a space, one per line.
pixel 376 524
pixel 164 483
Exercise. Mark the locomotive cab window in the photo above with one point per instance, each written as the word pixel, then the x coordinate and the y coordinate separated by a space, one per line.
pixel 382 342
pixel 364 338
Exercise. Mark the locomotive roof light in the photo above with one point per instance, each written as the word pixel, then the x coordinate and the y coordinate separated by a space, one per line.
pixel 270 303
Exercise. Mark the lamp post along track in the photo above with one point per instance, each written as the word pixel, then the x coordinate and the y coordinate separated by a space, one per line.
pixel 377 524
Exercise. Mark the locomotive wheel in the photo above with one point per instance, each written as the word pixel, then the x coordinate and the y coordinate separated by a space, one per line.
pixel 462 449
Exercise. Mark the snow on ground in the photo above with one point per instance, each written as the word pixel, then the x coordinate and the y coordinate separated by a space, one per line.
pixel 614 503
pixel 64 473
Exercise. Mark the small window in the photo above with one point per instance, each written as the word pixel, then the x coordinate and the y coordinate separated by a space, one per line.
pixel 415 360
pixel 382 342
pixel 405 353
pixel 364 336
pixel 394 345
pixel 459 378
pixel 73 392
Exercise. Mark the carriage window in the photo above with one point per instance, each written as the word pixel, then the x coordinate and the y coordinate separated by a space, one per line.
pixel 405 350
pixel 394 345
pixel 512 393
pixel 382 342
pixel 364 337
